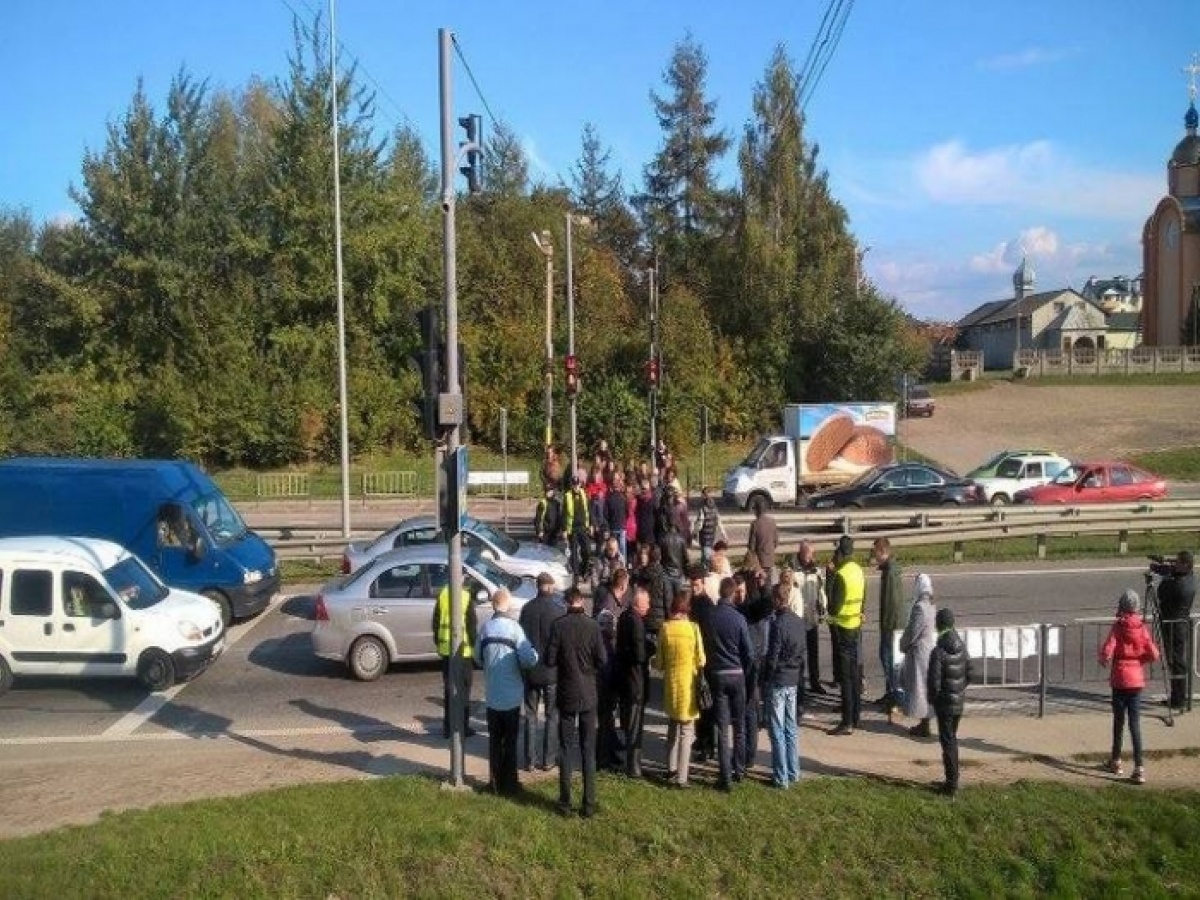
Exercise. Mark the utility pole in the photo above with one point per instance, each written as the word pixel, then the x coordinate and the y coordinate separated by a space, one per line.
pixel 653 369
pixel 343 392
pixel 451 408
pixel 545 244
pixel 572 362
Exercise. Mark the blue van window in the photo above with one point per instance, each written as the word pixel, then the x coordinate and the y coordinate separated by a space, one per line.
pixel 32 592
pixel 220 518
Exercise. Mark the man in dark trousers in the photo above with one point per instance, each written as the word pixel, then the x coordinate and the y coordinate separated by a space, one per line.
pixel 702 606
pixel 949 675
pixel 847 588
pixel 548 518
pixel 1176 593
pixel 891 620
pixel 609 601
pixel 752 598
pixel 616 511
pixel 576 651
pixel 633 668
pixel 764 538
pixel 729 654
pixel 541 682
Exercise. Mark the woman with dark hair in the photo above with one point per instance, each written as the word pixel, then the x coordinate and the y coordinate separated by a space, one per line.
pixel 680 658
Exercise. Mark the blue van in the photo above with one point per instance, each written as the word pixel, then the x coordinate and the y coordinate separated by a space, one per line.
pixel 167 512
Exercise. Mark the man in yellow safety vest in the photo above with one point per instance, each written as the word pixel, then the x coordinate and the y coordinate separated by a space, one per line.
pixel 847 588
pixel 441 636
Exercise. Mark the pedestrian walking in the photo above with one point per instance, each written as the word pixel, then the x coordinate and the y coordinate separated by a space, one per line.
pixel 783 677
pixel 577 525
pixel 916 644
pixel 608 603
pixel 708 528
pixel 809 579
pixel 729 653
pixel 576 652
pixel 680 658
pixel 505 654
pixel 763 539
pixel 633 670
pixel 701 607
pixel 548 518
pixel 1128 648
pixel 616 512
pixel 455 658
pixel 950 672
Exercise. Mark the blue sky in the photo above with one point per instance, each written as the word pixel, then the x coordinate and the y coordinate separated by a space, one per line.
pixel 953 132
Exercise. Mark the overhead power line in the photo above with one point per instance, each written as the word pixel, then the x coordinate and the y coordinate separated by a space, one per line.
pixel 471 75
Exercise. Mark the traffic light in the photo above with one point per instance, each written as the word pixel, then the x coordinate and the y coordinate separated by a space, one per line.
pixel 429 362
pixel 652 372
pixel 473 126
pixel 572 381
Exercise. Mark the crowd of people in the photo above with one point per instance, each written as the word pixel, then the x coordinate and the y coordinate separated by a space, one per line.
pixel 734 649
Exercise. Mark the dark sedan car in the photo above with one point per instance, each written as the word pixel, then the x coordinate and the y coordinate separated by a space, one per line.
pixel 900 484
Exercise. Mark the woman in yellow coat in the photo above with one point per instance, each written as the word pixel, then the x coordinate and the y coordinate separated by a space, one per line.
pixel 680 658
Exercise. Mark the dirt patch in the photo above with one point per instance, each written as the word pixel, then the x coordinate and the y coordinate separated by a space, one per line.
pixel 1078 421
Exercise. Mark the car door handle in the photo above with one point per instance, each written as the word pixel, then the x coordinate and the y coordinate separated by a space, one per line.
pixel 68 627
pixel 48 628
pixel 378 610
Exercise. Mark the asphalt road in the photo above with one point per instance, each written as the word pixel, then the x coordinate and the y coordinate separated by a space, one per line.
pixel 269 683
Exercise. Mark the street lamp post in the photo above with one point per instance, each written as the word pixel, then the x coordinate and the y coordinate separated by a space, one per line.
pixel 585 221
pixel 547 247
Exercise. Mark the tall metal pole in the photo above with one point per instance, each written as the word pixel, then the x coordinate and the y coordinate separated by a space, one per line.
pixel 653 358
pixel 548 250
pixel 454 540
pixel 571 344
pixel 343 401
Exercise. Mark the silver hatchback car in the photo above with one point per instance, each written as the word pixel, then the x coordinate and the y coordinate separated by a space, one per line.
pixel 382 613
pixel 520 558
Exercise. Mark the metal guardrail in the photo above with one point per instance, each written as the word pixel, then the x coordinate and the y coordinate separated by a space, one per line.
pixel 903 527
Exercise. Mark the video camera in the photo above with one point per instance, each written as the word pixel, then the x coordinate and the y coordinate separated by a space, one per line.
pixel 1160 565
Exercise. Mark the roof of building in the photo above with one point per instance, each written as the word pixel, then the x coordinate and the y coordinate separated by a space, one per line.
pixel 1124 321
pixel 1005 310
pixel 1074 319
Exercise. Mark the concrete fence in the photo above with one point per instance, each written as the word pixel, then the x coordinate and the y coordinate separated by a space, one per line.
pixel 1091 361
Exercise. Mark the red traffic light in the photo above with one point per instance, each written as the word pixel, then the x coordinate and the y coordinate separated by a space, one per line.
pixel 572 364
pixel 652 372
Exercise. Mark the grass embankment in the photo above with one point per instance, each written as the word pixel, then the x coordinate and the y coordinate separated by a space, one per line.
pixel 826 837
pixel 1177 464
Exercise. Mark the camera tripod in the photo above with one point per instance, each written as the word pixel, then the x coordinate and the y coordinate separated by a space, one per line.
pixel 1159 634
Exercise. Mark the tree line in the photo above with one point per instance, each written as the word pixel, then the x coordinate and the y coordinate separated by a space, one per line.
pixel 190 310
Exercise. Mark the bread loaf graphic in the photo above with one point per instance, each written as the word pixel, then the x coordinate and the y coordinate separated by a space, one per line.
pixel 868 446
pixel 828 440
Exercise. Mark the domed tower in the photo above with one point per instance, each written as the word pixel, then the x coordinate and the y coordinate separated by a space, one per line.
pixel 1171 236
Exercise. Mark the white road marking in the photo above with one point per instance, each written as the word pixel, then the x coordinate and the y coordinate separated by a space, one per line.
pixel 400 730
pixel 152 705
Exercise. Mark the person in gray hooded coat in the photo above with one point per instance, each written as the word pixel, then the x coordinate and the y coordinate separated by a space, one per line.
pixel 916 644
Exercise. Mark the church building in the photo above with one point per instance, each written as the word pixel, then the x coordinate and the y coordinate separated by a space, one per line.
pixel 1171 241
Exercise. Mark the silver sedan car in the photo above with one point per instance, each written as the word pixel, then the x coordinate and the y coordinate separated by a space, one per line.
pixel 521 558
pixel 382 613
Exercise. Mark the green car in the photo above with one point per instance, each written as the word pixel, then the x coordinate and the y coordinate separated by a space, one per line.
pixel 988 469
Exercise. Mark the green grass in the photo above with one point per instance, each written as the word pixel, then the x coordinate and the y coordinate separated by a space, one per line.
pixel 1016 549
pixel 826 837
pixel 1177 464
pixel 949 388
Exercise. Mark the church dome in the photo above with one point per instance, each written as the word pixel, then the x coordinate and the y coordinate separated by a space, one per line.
pixel 1187 151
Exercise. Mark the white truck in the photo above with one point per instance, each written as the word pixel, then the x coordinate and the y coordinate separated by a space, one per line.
pixel 822 444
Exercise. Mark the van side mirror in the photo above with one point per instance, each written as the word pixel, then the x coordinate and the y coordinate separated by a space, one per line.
pixel 108 610
pixel 197 549
pixel 481 596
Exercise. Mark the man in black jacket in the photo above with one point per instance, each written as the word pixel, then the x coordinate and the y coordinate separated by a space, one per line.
pixel 702 606
pixel 783 677
pixel 752 598
pixel 661 592
pixel 633 668
pixel 729 653
pixel 576 651
pixel 674 556
pixel 540 683
pixel 1176 593
pixel 949 674
pixel 616 511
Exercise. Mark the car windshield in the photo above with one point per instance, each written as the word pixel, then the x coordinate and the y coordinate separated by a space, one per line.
pixel 494 536
pixel 1069 475
pixel 751 461
pixel 918 393
pixel 134 583
pixel 490 572
pixel 220 518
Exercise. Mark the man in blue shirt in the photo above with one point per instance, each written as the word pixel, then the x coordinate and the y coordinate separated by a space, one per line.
pixel 504 652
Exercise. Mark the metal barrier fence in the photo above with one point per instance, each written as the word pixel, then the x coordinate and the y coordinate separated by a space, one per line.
pixel 388 484
pixel 283 485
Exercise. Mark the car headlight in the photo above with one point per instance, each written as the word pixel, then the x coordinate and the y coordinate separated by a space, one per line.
pixel 252 576
pixel 190 631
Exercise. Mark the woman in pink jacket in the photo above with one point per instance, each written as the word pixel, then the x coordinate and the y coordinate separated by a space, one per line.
pixel 1128 648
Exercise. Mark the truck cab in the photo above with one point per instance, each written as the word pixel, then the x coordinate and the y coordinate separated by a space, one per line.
pixel 766 477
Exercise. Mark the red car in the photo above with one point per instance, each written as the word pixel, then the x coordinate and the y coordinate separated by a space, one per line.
pixel 1097 482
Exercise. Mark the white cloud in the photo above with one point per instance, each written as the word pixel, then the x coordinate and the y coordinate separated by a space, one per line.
pixel 536 160
pixel 1034 176
pixel 1031 56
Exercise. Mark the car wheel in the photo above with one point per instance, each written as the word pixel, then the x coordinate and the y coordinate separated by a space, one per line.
pixel 368 658
pixel 6 676
pixel 1000 499
pixel 949 503
pixel 225 606
pixel 854 505
pixel 156 670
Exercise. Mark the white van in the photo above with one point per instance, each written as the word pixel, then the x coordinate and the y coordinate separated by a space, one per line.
pixel 88 607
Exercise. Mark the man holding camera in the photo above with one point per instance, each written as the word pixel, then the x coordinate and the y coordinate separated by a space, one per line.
pixel 1176 591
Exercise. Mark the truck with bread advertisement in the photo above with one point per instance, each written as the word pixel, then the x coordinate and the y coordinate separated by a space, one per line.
pixel 822 444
